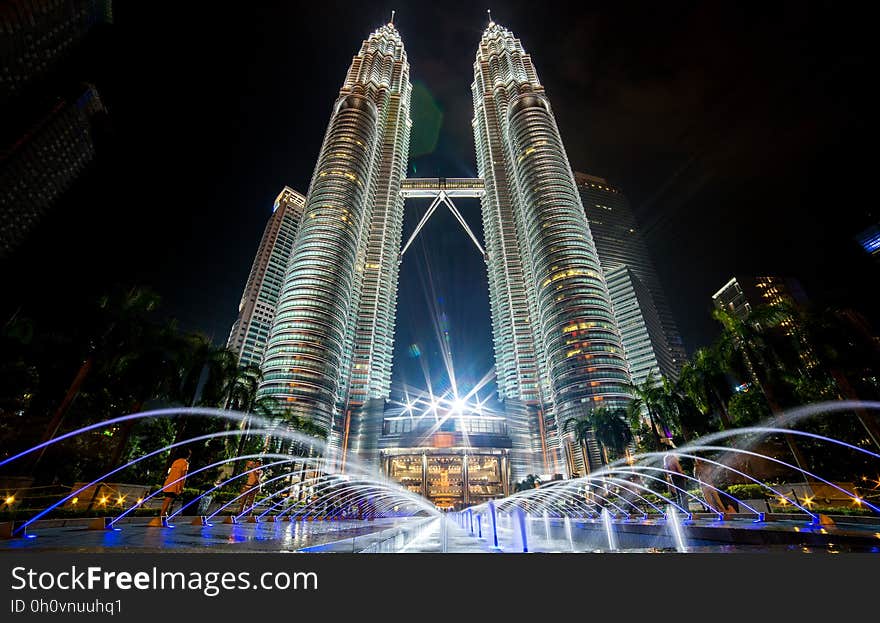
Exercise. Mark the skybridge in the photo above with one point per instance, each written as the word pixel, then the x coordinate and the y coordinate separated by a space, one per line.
pixel 442 190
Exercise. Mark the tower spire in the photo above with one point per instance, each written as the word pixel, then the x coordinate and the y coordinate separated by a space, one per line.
pixel 391 21
pixel 489 13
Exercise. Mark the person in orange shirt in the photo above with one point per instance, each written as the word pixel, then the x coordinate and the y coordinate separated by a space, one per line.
pixel 177 472
pixel 252 484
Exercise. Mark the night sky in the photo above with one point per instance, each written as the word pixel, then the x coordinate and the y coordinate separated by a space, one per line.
pixel 738 133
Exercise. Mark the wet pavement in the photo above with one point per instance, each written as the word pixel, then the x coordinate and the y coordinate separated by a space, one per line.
pixel 443 535
pixel 183 537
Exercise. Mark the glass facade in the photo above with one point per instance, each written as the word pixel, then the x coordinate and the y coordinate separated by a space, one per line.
pixel 557 348
pixel 330 346
pixel 42 164
pixel 38 35
pixel 641 330
pixel 257 307
pixel 619 242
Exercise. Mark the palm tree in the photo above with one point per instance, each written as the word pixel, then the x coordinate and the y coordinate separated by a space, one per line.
pixel 649 396
pixel 744 346
pixel 845 348
pixel 120 319
pixel 147 372
pixel 582 432
pixel 701 379
pixel 243 388
pixel 611 430
pixel 745 342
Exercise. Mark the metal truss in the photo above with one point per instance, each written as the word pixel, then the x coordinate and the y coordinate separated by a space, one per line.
pixel 441 190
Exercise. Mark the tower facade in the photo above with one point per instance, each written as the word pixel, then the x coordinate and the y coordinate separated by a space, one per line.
pixel 557 348
pixel 44 163
pixel 619 242
pixel 257 307
pixel 330 346
pixel 641 331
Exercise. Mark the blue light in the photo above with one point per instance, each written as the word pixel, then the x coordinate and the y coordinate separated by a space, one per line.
pixel 872 244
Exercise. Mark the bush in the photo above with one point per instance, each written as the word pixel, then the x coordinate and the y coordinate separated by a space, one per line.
pixel 751 491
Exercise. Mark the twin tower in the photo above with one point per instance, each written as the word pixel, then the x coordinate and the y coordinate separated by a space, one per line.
pixel 557 349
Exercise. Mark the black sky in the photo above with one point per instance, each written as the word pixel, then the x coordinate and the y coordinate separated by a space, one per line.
pixel 740 134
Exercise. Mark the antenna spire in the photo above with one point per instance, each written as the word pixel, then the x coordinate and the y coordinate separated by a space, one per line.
pixel 392 17
pixel 489 13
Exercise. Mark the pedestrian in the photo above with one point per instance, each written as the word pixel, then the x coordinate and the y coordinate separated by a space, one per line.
pixel 251 485
pixel 703 473
pixel 676 478
pixel 173 486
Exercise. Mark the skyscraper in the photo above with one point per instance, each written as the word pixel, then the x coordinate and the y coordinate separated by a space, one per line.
pixel 619 242
pixel 50 114
pixel 742 293
pixel 328 356
pixel 558 352
pixel 257 307
pixel 640 328
pixel 43 163
pixel 39 35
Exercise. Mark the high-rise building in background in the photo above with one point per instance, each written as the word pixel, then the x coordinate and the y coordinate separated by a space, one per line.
pixel 328 356
pixel 619 242
pixel 38 35
pixel 557 349
pixel 45 161
pixel 257 307
pixel 49 114
pixel 641 330
pixel 743 293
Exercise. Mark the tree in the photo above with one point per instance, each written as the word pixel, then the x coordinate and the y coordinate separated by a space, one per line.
pixel 748 408
pixel 702 379
pixel 611 430
pixel 649 396
pixel 532 481
pixel 745 342
pixel 19 377
pixel 842 347
pixel 746 347
pixel 120 319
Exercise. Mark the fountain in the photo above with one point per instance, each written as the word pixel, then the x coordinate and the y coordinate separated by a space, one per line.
pixel 567 522
pixel 626 504
pixel 609 530
pixel 675 525
pixel 493 514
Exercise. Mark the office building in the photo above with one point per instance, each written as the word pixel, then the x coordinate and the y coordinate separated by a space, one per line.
pixel 558 353
pixel 257 307
pixel 641 329
pixel 330 345
pixel 619 242
pixel 43 163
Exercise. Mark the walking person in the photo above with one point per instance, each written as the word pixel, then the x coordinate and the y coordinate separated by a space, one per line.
pixel 173 486
pixel 703 473
pixel 675 476
pixel 252 484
